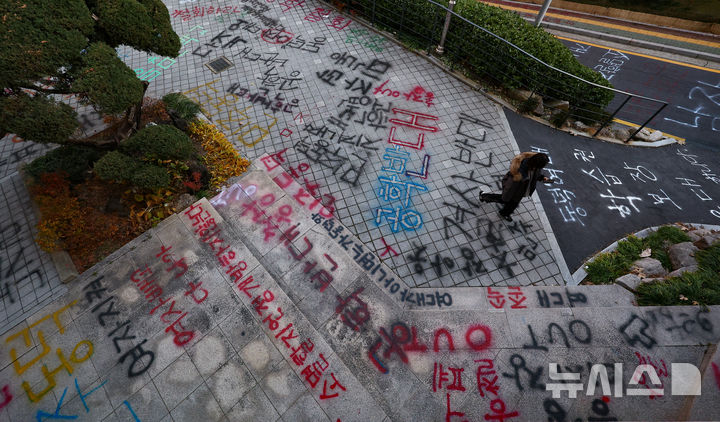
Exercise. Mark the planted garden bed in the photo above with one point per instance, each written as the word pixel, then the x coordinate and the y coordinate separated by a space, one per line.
pixel 93 201
pixel 674 265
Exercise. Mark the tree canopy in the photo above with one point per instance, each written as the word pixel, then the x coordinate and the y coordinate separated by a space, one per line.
pixel 59 47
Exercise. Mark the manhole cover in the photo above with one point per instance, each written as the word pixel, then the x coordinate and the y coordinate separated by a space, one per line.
pixel 219 64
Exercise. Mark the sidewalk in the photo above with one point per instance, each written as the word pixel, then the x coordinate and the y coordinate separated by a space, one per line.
pixel 702 47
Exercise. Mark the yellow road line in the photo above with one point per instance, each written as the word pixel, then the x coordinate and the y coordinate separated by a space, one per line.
pixel 614 26
pixel 626 123
pixel 641 55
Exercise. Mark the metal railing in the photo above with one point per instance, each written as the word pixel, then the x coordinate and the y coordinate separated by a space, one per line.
pixel 498 62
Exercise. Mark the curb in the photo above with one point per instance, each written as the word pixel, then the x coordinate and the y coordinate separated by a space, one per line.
pixel 504 103
pixel 630 15
pixel 547 228
pixel 693 54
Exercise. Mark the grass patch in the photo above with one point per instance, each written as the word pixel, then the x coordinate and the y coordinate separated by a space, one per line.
pixel 608 266
pixel 183 106
pixel 701 287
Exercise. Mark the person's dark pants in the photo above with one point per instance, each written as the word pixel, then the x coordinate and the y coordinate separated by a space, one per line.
pixel 508 207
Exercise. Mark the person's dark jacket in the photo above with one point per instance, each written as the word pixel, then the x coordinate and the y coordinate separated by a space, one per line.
pixel 520 181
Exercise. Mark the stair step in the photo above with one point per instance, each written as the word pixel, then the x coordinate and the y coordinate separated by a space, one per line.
pixel 267 176
pixel 260 277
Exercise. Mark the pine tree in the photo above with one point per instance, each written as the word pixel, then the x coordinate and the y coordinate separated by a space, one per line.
pixel 50 48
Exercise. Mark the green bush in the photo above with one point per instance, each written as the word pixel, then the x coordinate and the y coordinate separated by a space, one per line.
pixel 149 176
pixel 489 56
pixel 697 288
pixel 663 257
pixel 529 105
pixel 122 168
pixel 72 159
pixel 163 142
pixel 662 239
pixel 483 54
pixel 116 166
pixel 710 259
pixel 183 106
pixel 559 118
pixel 39 119
pixel 415 22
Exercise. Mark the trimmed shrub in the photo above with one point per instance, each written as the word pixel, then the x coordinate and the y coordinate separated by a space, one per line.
pixel 486 55
pixel 415 22
pixel 164 142
pixel 696 288
pixel 116 166
pixel 529 105
pixel 148 176
pixel 492 59
pixel 185 108
pixel 609 266
pixel 73 159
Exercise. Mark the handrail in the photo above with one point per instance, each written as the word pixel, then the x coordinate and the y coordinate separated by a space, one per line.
pixel 540 61
pixel 551 83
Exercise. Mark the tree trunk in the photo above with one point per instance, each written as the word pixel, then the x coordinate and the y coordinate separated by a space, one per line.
pixel 111 137
pixel 131 122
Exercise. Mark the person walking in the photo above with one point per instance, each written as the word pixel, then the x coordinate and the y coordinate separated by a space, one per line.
pixel 525 172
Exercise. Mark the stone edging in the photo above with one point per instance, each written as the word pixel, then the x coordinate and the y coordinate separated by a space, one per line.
pixel 580 274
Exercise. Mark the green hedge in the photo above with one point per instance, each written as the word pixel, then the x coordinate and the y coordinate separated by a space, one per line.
pixel 414 21
pixel 119 167
pixel 490 58
pixel 116 166
pixel 149 176
pixel 163 142
pixel 73 159
pixel 606 267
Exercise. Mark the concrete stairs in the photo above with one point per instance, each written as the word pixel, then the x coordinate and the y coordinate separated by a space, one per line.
pixel 573 326
pixel 289 316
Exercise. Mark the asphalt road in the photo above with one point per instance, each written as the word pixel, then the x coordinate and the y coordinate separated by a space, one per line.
pixel 605 191
pixel 692 94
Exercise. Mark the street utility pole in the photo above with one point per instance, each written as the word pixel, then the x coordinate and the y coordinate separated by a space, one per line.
pixel 543 10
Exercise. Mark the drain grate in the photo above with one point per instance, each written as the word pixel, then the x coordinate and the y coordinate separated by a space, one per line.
pixel 219 64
